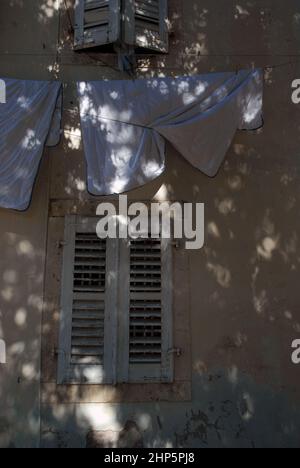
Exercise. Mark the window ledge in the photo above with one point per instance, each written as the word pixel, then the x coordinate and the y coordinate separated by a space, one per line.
pixel 53 394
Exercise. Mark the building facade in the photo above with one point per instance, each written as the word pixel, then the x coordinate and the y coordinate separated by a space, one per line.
pixel 235 302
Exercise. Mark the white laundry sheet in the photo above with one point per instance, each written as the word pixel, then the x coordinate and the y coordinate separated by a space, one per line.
pixel 125 124
pixel 30 119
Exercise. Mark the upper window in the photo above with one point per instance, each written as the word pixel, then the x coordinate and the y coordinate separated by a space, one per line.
pixel 136 23
pixel 116 308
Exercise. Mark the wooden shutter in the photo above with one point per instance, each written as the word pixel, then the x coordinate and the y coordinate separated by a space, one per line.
pixel 97 22
pixel 87 348
pixel 2 352
pixel 146 311
pixel 145 24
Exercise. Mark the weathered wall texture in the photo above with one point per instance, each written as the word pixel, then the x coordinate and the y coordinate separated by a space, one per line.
pixel 243 286
pixel 26 44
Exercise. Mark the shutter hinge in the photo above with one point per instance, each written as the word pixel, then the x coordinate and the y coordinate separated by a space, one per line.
pixel 61 244
pixel 58 352
pixel 176 351
pixel 178 244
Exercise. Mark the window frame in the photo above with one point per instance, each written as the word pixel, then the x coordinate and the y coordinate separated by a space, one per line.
pixel 179 390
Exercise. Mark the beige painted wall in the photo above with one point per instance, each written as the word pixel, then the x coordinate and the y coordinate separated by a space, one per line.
pixel 26 51
pixel 244 294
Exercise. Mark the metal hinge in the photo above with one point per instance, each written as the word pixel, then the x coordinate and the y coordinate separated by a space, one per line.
pixel 176 351
pixel 61 244
pixel 178 244
pixel 58 352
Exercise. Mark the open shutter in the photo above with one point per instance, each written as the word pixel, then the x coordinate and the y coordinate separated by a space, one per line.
pixel 88 309
pixel 97 22
pixel 145 24
pixel 146 311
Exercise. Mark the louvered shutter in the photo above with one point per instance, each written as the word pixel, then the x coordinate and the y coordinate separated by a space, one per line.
pixel 145 24
pixel 146 311
pixel 88 306
pixel 97 22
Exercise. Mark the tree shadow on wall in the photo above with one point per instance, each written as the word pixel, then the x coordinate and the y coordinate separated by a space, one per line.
pixel 244 283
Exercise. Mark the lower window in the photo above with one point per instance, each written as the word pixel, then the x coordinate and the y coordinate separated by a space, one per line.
pixel 116 321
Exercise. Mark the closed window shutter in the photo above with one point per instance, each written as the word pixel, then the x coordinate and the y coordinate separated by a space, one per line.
pixel 146 311
pixel 88 308
pixel 97 22
pixel 145 24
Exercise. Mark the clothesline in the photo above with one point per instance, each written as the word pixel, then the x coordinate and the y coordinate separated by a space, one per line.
pixel 162 68
pixel 53 54
pixel 132 124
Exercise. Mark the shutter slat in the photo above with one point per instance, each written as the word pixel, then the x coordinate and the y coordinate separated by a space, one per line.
pixel 144 305
pixel 153 245
pixel 148 320
pixel 144 360
pixel 143 269
pixel 88 324
pixel 89 332
pixel 146 255
pixel 88 298
pixel 87 342
pixel 148 296
pixel 142 341
pixel 88 315
pixel 135 315
pixel 87 352
pixel 148 10
pixel 89 255
pixel 83 263
pixel 89 246
pixel 86 307
pixel 94 269
pixel 145 280
pixel 95 4
pixel 140 263
pixel 85 361
pixel 87 287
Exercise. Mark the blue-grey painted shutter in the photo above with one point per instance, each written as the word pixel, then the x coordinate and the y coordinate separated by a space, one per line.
pixel 145 24
pixel 2 352
pixel 146 311
pixel 88 322
pixel 97 22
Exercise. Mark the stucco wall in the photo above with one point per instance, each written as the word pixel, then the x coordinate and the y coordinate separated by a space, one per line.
pixel 244 294
pixel 26 51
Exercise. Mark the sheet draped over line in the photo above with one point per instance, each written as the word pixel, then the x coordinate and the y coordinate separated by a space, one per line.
pixel 125 124
pixel 124 127
pixel 29 121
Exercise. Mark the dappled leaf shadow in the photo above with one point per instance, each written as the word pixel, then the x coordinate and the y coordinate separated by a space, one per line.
pixel 243 285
